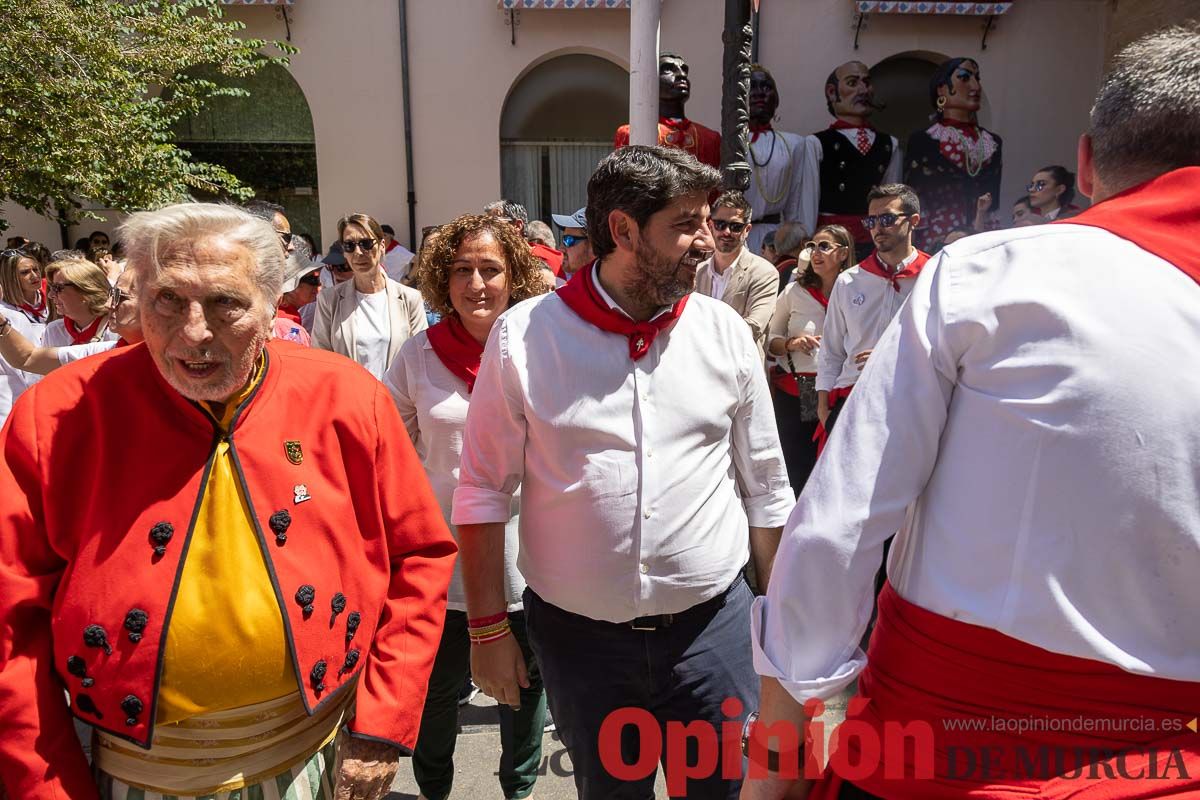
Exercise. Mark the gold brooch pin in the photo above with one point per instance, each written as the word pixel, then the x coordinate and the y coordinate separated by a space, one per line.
pixel 294 454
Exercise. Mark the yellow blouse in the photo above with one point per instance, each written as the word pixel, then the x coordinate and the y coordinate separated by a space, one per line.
pixel 226 646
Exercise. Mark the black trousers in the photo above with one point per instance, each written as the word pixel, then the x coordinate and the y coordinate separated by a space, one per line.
pixel 796 438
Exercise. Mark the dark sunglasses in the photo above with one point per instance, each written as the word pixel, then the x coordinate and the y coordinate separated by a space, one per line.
pixel 310 280
pixel 727 225
pixel 571 241
pixel 825 247
pixel 57 288
pixel 884 220
pixel 117 297
pixel 285 236
pixel 1036 186
pixel 341 269
pixel 12 251
pixel 350 245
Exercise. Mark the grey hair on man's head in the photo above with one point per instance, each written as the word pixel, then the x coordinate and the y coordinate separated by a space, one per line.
pixel 507 209
pixel 790 238
pixel 1146 118
pixel 149 234
pixel 641 180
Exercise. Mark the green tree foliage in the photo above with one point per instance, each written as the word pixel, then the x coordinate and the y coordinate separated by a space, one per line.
pixel 89 90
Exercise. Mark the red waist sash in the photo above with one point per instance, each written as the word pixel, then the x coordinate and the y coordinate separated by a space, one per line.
pixel 820 435
pixel 989 716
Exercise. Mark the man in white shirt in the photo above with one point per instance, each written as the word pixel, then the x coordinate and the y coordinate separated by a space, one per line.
pixel 636 419
pixel 1043 467
pixel 867 296
pixel 577 251
pixel 743 281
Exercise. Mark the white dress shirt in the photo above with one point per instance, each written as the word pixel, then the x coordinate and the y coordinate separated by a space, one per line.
pixel 1041 463
pixel 639 478
pixel 13 381
pixel 397 262
pixel 860 307
pixel 720 279
pixel 797 313
pixel 56 334
pixel 74 352
pixel 788 183
pixel 373 325
pixel 895 168
pixel 433 403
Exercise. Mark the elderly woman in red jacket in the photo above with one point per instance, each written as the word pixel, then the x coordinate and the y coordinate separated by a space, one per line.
pixel 253 593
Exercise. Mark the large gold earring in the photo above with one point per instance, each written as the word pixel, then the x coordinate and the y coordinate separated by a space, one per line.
pixel 941 102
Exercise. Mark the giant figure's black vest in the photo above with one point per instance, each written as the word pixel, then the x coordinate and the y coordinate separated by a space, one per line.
pixel 846 174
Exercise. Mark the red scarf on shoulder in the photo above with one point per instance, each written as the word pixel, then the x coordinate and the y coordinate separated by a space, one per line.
pixel 457 349
pixel 873 265
pixel 1161 216
pixel 82 335
pixel 581 296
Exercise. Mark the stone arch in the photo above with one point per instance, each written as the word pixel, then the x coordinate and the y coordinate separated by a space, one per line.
pixel 556 123
pixel 265 138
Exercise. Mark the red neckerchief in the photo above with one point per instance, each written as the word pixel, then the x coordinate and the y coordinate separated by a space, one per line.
pixel 39 310
pixel 392 246
pixel 820 298
pixel 842 125
pixel 862 140
pixel 85 335
pixel 1158 216
pixel 286 311
pixel 873 265
pixel 122 343
pixel 969 128
pixel 581 296
pixel 457 349
pixel 755 130
pixel 675 123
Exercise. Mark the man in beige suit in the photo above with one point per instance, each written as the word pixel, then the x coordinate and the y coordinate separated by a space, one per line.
pixel 734 275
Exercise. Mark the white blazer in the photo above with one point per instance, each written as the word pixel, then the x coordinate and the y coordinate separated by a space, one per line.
pixel 333 327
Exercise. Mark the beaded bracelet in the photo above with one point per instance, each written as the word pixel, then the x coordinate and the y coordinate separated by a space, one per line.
pixel 489 633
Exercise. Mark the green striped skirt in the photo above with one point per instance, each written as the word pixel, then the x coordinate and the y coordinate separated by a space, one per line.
pixel 309 780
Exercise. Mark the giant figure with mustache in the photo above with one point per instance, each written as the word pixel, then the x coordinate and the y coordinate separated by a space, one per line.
pixel 853 156
pixel 953 162
pixel 784 185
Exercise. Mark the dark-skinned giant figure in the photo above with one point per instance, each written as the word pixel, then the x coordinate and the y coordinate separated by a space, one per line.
pixel 674 128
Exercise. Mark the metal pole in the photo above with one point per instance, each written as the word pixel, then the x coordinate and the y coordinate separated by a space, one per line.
pixel 406 102
pixel 644 18
pixel 735 95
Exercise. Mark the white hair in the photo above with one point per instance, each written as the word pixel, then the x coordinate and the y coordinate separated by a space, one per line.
pixel 1146 119
pixel 148 234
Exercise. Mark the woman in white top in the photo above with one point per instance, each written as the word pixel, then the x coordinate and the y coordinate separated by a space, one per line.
pixel 82 294
pixel 369 317
pixel 471 272
pixel 794 338
pixel 21 285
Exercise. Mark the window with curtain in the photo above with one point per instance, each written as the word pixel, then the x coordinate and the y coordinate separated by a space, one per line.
pixel 549 177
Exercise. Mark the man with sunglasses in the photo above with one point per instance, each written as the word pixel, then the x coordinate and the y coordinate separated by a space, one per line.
pixel 743 281
pixel 867 296
pixel 577 249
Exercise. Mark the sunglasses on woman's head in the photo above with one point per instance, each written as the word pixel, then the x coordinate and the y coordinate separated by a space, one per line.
pixel 350 245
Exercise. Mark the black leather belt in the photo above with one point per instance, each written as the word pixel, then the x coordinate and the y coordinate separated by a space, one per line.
pixel 769 219
pixel 659 621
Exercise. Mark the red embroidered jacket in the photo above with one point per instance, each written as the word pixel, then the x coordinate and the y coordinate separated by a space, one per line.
pixel 100 481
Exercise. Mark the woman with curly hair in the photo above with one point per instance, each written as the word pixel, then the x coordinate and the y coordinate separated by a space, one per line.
pixel 470 271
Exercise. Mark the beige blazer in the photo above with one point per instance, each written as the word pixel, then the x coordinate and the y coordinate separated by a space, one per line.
pixel 333 327
pixel 751 290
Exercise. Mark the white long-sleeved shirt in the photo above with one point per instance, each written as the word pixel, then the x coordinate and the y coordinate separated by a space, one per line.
pixel 13 381
pixel 638 478
pixel 1029 425
pixel 433 403
pixel 860 307
pixel 788 183
pixel 56 334
pixel 797 313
